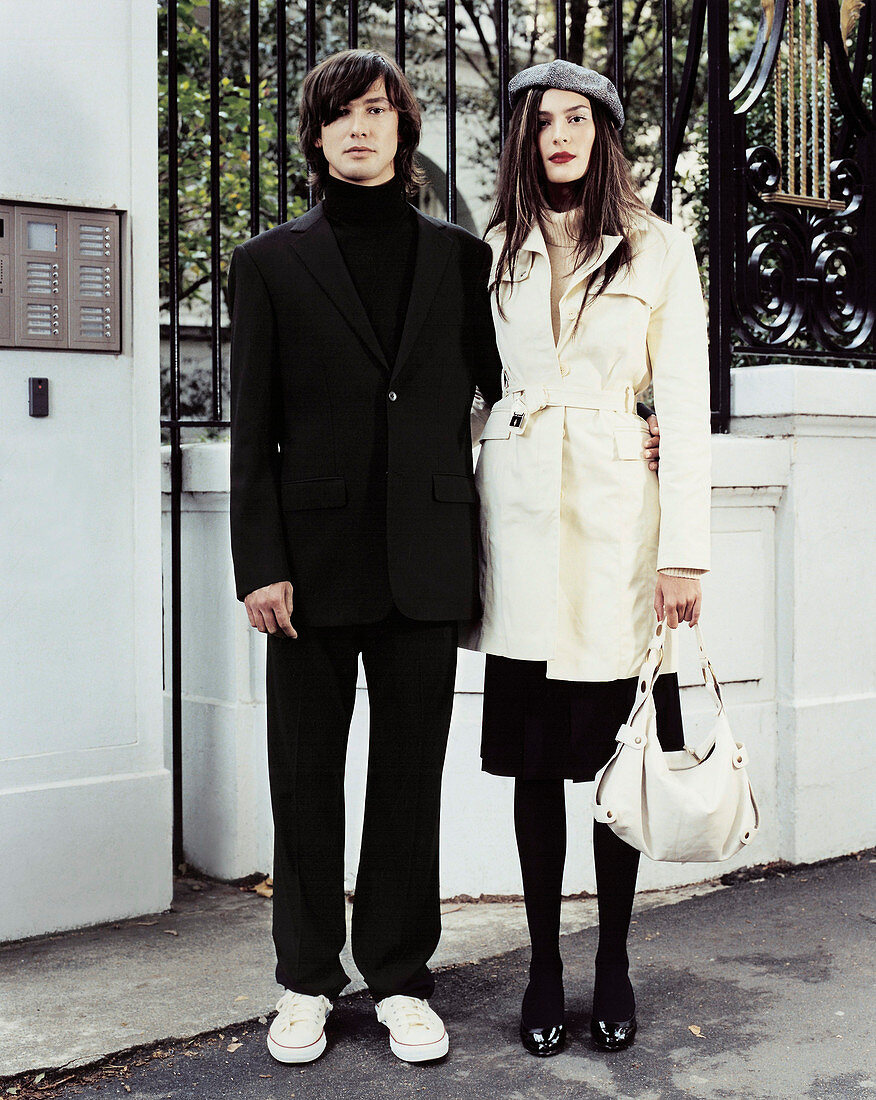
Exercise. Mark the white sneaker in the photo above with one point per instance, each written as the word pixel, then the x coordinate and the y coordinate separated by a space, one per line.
pixel 416 1033
pixel 297 1032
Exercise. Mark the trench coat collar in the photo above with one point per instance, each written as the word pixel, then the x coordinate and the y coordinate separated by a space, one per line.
pixel 535 242
pixel 317 247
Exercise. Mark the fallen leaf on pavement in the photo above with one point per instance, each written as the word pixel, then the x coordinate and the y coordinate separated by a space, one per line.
pixel 694 1029
pixel 232 1047
pixel 241 998
pixel 144 923
pixel 170 931
pixel 39 1077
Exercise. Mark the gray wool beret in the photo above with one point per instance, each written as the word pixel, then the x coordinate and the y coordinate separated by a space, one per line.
pixel 569 78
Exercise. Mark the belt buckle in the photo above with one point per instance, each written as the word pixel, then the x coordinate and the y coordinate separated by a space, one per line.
pixel 517 423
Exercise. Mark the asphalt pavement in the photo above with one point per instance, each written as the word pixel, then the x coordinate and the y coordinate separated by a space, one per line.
pixel 755 990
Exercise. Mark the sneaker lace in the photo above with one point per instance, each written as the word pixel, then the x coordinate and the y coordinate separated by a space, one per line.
pixel 412 1011
pixel 295 1008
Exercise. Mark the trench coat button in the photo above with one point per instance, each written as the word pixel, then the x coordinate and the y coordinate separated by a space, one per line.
pixel 392 395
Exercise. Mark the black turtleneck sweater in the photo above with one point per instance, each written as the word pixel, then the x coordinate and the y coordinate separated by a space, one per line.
pixel 376 232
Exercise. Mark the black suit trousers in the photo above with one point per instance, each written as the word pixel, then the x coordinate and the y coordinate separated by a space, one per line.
pixel 410 669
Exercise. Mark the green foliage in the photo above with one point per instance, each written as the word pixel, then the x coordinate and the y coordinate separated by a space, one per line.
pixel 532 39
pixel 232 141
pixel 532 36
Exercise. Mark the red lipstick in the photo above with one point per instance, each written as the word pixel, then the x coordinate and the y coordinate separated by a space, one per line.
pixel 561 158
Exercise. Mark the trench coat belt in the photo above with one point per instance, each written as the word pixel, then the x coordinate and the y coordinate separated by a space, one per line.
pixel 532 399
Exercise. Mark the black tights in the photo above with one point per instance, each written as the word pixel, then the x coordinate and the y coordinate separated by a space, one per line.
pixel 540 824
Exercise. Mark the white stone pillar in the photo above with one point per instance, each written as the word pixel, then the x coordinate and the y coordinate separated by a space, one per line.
pixel 826 600
pixel 85 803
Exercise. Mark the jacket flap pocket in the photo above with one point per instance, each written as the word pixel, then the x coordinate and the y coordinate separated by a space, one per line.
pixel 630 443
pixel 632 284
pixel 456 488
pixel 498 425
pixel 315 492
pixel 522 269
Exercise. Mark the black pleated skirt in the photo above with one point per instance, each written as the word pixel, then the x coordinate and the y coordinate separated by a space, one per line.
pixel 535 728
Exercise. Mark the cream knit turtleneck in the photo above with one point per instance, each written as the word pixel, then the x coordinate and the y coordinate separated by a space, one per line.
pixel 561 246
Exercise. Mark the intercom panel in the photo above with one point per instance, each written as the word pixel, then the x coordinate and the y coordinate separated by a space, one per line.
pixel 59 278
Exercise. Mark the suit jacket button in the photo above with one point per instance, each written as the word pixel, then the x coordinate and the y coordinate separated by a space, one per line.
pixel 392 395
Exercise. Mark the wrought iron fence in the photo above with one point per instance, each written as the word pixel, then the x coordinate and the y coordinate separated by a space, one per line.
pixel 786 212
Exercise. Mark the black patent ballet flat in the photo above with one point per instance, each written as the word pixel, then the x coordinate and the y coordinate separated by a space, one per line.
pixel 543 1041
pixel 610 1035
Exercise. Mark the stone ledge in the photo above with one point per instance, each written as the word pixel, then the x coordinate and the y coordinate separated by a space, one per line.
pixel 795 390
pixel 736 462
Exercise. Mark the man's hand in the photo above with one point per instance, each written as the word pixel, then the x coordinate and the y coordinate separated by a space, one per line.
pixel 679 599
pixel 269 609
pixel 652 445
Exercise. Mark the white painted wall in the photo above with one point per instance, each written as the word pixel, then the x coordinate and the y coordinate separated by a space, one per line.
pixel 85 814
pixel 793 510
pixel 826 600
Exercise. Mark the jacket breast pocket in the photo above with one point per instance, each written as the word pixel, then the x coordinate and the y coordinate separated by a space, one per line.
pixel 454 488
pixel 315 492
pixel 629 443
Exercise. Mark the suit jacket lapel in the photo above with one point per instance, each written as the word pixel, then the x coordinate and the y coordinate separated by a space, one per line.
pixel 315 243
pixel 433 253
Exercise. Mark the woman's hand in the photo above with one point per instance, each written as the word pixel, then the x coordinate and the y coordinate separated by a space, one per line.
pixel 679 599
pixel 652 445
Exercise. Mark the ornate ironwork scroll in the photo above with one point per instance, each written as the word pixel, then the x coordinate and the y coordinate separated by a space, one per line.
pixel 803 209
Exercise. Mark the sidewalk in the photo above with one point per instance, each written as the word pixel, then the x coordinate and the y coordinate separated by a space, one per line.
pixel 761 990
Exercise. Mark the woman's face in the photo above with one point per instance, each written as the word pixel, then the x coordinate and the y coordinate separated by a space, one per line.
pixel 566 132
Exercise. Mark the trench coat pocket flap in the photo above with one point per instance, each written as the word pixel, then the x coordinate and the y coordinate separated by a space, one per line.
pixel 498 425
pixel 630 443
pixel 522 269
pixel 315 492
pixel 455 488
pixel 633 285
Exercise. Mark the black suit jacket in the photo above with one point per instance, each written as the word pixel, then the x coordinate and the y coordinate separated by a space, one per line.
pixel 351 477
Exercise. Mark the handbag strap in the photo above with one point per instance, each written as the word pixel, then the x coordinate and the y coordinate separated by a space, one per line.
pixel 654 659
pixel 709 678
pixel 649 671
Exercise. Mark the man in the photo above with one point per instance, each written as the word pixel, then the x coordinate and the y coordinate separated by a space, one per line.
pixel 359 334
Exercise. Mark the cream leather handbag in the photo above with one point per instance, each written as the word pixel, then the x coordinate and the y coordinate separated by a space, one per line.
pixel 691 806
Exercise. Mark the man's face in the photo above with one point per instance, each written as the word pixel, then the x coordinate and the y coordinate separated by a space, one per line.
pixel 360 145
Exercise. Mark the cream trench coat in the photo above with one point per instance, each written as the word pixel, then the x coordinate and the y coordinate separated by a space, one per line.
pixel 573 524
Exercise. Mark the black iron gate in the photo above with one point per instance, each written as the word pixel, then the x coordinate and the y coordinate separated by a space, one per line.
pixel 786 159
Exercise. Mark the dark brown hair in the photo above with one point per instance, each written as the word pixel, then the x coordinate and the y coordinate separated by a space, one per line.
pixel 605 197
pixel 343 77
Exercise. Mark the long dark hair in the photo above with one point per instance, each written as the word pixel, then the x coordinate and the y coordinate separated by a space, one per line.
pixel 345 76
pixel 605 197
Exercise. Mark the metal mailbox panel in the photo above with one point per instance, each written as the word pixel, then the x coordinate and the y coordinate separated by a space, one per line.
pixel 93 251
pixel 60 282
pixel 40 278
pixel 7 257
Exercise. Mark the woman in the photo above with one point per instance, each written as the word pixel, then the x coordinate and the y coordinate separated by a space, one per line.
pixel 594 298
